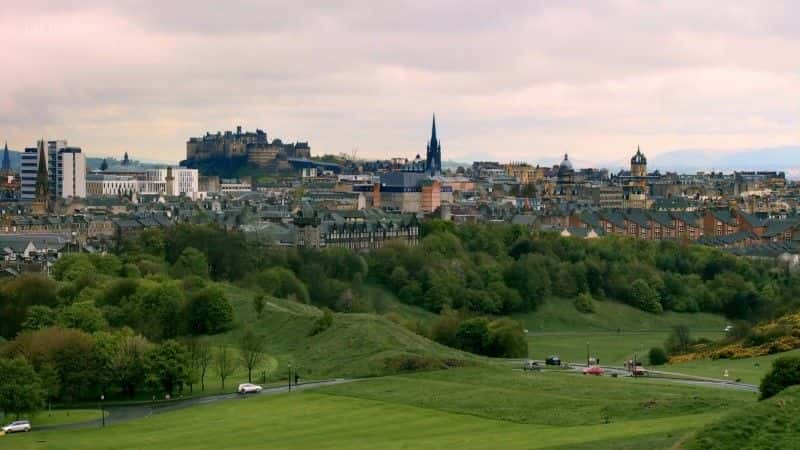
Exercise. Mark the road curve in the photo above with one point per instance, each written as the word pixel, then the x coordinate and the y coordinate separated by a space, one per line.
pixel 121 414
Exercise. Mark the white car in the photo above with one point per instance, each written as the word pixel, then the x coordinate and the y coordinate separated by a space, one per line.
pixel 17 426
pixel 247 388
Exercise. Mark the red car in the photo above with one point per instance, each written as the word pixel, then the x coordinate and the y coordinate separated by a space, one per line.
pixel 593 370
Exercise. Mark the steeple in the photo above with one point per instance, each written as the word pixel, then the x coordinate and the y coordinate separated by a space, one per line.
pixel 40 204
pixel 433 158
pixel 6 168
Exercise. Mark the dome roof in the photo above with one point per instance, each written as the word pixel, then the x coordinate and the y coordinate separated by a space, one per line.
pixel 565 166
pixel 638 158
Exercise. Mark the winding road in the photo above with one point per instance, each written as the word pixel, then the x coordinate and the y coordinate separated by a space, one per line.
pixel 121 414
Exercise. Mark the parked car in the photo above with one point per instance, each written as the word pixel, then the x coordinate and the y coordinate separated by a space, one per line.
pixel 531 365
pixel 553 360
pixel 248 388
pixel 593 370
pixel 17 426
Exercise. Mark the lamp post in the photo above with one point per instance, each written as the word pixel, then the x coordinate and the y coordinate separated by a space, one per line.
pixel 587 354
pixel 102 411
pixel 290 377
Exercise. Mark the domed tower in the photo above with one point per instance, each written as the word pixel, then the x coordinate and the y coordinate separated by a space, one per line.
pixel 638 164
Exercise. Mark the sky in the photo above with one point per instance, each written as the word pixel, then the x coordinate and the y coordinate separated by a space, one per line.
pixel 508 80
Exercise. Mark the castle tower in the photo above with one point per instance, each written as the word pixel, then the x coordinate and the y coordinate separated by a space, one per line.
pixel 433 160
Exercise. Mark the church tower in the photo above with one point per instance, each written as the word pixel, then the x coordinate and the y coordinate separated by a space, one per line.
pixel 638 164
pixel 433 160
pixel 6 168
pixel 40 204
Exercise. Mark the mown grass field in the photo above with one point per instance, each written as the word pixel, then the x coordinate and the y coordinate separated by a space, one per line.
pixel 611 347
pixel 64 416
pixel 558 315
pixel 460 408
pixel 750 370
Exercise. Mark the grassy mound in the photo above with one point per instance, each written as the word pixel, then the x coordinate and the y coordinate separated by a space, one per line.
pixel 355 345
pixel 773 423
pixel 558 315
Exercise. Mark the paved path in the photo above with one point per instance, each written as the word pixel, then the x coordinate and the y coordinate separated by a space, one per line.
pixel 120 414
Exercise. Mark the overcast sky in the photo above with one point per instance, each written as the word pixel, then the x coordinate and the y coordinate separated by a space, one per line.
pixel 508 80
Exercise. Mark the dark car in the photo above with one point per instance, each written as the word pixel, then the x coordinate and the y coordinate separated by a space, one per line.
pixel 553 360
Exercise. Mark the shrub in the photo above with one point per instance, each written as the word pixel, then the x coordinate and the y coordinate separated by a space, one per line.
pixel 473 335
pixel 584 303
pixel 323 323
pixel 785 372
pixel 657 356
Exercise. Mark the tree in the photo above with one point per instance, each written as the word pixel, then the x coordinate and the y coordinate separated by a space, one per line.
pixel 259 302
pixel 168 366
pixel 785 372
pixel 39 316
pixel 644 297
pixel 473 335
pixel 82 316
pixel 204 359
pixel 20 389
pixel 225 363
pixel 191 262
pixel 129 363
pixel 209 311
pixel 679 340
pixel 251 350
pixel 507 339
pixel 657 356
pixel 19 294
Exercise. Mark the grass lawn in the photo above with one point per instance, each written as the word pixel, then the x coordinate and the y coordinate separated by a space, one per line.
pixel 611 347
pixel 750 370
pixel 770 424
pixel 557 315
pixel 460 408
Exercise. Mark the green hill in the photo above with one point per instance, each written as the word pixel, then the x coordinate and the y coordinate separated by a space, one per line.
pixel 356 345
pixel 773 423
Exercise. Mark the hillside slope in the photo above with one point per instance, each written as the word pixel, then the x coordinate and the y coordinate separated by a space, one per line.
pixel 356 345
pixel 773 423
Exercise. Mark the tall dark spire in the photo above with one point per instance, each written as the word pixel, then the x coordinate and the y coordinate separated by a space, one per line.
pixel 433 158
pixel 6 168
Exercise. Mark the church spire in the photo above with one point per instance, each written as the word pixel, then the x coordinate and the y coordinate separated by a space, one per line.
pixel 433 158
pixel 6 168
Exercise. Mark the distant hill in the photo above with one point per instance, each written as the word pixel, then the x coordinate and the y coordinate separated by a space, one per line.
pixel 786 159
pixel 92 163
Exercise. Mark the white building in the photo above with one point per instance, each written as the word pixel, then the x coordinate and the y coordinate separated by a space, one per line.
pixel 104 185
pixel 66 171
pixel 184 182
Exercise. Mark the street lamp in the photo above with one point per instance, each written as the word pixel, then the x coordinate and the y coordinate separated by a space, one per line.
pixel 587 354
pixel 102 411
pixel 290 377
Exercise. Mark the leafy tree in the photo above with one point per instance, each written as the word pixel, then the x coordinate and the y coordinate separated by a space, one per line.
pixel 445 328
pixel 168 366
pixel 191 262
pixel 225 363
pixel 785 372
pixel 159 311
pixel 129 363
pixel 473 335
pixel 644 297
pixel 39 316
pixel 209 312
pixel 507 339
pixel 251 350
pixel 17 295
pixel 282 283
pixel 82 316
pixel 657 356
pixel 20 388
